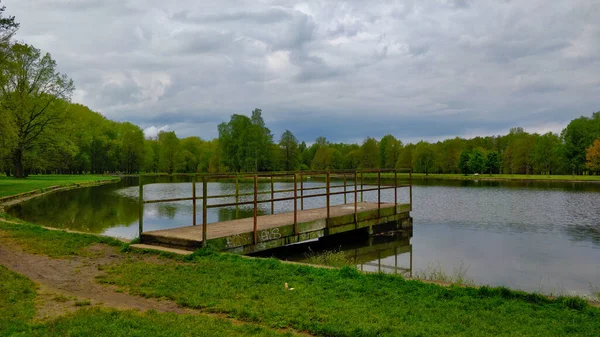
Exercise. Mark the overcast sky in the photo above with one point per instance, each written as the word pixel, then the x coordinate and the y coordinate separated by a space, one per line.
pixel 346 70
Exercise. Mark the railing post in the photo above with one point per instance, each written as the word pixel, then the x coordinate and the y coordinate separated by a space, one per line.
pixel 204 204
pixel 255 209
pixel 194 199
pixel 411 181
pixel 301 192
pixel 141 206
pixel 355 199
pixel 295 205
pixel 272 197
pixel 344 189
pixel 379 194
pixel 361 187
pixel 237 196
pixel 395 191
pixel 328 201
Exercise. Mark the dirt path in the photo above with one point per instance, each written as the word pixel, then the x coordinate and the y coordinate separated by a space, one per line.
pixel 63 281
pixel 65 285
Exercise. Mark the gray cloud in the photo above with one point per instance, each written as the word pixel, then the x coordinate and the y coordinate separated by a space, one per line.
pixel 343 69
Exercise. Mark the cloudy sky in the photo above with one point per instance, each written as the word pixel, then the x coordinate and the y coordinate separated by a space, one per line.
pixel 346 70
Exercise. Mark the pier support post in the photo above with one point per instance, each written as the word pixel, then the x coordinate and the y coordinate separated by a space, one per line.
pixel 141 206
pixel 295 205
pixel 328 201
pixel 272 197
pixel 204 204
pixel 255 210
pixel 194 199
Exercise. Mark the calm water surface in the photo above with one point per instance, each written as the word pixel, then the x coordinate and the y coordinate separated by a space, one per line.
pixel 532 236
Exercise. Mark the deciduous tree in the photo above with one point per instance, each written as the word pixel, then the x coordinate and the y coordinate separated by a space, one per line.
pixel 34 95
pixel 592 157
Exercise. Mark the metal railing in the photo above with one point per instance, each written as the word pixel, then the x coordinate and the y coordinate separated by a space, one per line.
pixel 298 193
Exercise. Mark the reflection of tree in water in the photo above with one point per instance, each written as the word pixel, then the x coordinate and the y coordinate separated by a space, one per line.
pixel 167 210
pixel 92 209
pixel 230 213
pixel 590 233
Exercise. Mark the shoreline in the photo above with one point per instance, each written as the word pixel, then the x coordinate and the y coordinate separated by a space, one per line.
pixel 15 199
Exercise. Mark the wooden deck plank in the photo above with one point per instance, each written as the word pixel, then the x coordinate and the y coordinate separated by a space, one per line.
pixel 233 227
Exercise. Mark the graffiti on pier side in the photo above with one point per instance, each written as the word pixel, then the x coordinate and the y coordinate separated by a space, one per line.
pixel 238 240
pixel 244 239
pixel 310 236
pixel 269 234
pixel 268 238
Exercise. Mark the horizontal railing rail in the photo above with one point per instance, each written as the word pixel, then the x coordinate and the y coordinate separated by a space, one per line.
pixel 354 187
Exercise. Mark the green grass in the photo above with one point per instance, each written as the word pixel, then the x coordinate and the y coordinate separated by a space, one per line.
pixel 336 302
pixel 11 186
pixel 54 243
pixel 16 301
pixel 17 308
pixel 344 302
pixel 330 258
pixel 435 272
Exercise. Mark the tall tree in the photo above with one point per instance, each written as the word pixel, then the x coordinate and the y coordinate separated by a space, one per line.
pixel 8 27
pixel 34 94
pixel 261 142
pixel 170 151
pixel 423 157
pixel 577 137
pixel 246 143
pixel 463 162
pixel 477 161
pixel 593 157
pixel 546 153
pixel 370 155
pixel 290 153
pixel 132 147
pixel 493 162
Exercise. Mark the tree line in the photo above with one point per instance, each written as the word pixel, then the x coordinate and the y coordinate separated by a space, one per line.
pixel 41 131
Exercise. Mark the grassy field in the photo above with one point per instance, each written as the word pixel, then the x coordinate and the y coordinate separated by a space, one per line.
pixel 17 309
pixel 333 302
pixel 10 186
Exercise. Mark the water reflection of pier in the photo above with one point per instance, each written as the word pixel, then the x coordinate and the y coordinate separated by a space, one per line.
pixel 387 252
pixel 380 251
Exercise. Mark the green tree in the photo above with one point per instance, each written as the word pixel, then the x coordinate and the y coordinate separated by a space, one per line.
pixel 389 148
pixel 323 159
pixel 169 151
pixel 370 155
pixel 546 153
pixel 246 143
pixel 493 162
pixel 405 157
pixel 290 153
pixel 463 162
pixel 423 157
pixel 577 137
pixel 477 161
pixel 34 94
pixel 132 147
pixel 8 27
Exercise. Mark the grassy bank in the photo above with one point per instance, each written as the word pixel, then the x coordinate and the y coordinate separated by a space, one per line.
pixel 17 310
pixel 336 302
pixel 11 186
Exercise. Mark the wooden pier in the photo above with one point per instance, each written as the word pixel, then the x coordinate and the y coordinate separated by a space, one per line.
pixel 275 230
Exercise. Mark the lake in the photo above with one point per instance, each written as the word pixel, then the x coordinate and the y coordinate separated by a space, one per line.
pixel 535 236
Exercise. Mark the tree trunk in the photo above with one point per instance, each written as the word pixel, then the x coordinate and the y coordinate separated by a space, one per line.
pixel 18 161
